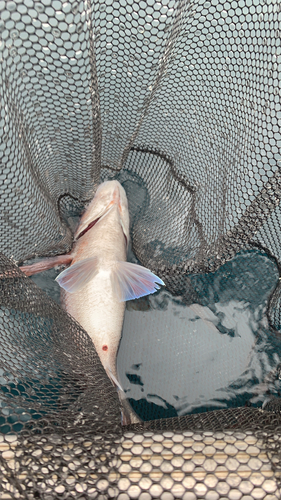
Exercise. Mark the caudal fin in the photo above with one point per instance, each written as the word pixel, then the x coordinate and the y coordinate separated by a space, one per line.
pixel 113 378
pixel 131 281
pixel 128 416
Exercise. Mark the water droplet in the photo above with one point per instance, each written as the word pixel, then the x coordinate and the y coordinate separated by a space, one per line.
pixel 56 32
pixel 140 29
pixel 23 73
pixel 79 28
pixel 39 7
pixel 13 52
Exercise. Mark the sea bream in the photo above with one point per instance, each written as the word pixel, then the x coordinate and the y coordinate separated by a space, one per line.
pixel 99 280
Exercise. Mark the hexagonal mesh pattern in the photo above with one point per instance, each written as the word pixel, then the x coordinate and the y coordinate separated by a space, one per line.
pixel 168 465
pixel 181 102
pixel 188 91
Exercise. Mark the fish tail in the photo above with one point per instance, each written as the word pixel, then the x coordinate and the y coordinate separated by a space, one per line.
pixel 128 416
pixel 113 378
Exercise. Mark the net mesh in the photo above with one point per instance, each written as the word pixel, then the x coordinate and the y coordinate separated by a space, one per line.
pixel 180 101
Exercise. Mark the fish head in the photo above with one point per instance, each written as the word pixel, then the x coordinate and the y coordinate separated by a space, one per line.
pixel 109 195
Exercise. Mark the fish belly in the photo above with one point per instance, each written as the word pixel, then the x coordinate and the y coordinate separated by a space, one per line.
pixel 99 312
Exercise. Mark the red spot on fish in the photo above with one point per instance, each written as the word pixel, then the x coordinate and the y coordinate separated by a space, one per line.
pixel 105 347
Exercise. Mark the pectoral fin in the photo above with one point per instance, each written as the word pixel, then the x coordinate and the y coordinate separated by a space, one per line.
pixel 45 264
pixel 131 281
pixel 75 277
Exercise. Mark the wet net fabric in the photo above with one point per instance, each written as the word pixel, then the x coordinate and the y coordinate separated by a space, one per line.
pixel 185 465
pixel 180 101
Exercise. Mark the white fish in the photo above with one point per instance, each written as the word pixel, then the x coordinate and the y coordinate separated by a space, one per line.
pixel 99 280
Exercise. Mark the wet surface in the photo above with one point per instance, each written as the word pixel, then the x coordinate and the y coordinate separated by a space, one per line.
pixel 218 352
pixel 207 349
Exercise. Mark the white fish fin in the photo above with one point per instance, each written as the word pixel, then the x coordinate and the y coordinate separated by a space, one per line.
pixel 131 281
pixel 45 264
pixel 113 378
pixel 75 277
pixel 128 415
